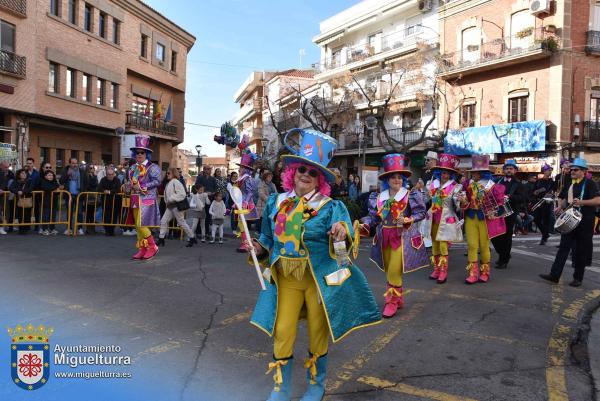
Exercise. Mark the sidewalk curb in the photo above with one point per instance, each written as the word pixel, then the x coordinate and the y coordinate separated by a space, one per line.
pixel 585 347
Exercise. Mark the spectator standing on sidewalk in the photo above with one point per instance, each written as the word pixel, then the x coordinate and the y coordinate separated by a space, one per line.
pixel 22 188
pixel 50 200
pixel 217 211
pixel 109 187
pixel 174 193
pixel 210 187
pixel 6 178
pixel 197 211
pixel 75 180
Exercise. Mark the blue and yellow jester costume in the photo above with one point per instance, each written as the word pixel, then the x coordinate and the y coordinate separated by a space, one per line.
pixel 305 280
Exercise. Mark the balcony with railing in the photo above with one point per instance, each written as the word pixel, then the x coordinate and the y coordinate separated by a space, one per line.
pixel 404 136
pixel 17 7
pixel 593 43
pixel 529 44
pixel 13 64
pixel 147 123
pixel 591 131
pixel 399 137
pixel 356 55
pixel 247 110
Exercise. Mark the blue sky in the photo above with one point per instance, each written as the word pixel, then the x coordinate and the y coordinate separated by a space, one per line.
pixel 247 35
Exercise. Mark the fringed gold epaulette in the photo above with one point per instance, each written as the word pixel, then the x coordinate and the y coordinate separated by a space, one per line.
pixel 356 242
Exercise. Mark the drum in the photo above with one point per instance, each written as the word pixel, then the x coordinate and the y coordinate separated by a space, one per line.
pixel 568 221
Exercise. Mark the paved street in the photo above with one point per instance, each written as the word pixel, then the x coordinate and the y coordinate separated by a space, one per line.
pixel 183 317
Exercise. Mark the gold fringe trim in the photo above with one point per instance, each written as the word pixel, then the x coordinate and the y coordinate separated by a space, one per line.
pixel 485 268
pixel 311 365
pixel 392 291
pixel 277 377
pixel 294 267
pixel 143 243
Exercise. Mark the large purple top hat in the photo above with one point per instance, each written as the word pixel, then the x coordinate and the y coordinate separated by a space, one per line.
pixel 448 162
pixel 395 163
pixel 315 148
pixel 142 142
pixel 248 159
pixel 480 163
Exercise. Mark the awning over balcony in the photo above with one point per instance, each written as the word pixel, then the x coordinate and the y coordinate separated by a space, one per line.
pixel 524 136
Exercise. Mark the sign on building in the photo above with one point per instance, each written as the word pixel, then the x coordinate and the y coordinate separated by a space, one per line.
pixel 8 152
pixel 525 136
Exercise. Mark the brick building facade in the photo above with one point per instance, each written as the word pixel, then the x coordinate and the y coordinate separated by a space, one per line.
pixel 508 62
pixel 73 72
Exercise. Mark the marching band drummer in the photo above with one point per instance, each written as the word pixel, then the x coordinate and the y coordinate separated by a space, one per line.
pixel 442 222
pixel 480 225
pixel 515 191
pixel 582 193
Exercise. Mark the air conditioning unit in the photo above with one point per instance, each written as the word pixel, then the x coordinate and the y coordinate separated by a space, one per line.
pixel 425 5
pixel 539 7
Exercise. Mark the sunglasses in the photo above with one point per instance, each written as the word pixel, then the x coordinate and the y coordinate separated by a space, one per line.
pixel 140 153
pixel 48 168
pixel 312 172
pixel 575 169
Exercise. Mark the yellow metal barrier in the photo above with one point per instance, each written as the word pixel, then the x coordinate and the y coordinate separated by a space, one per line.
pixel 52 209
pixel 115 204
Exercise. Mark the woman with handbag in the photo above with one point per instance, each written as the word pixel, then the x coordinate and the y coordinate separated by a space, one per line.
pixel 22 189
pixel 177 203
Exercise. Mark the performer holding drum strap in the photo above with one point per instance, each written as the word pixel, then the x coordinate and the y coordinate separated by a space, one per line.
pixel 582 194
pixel 515 192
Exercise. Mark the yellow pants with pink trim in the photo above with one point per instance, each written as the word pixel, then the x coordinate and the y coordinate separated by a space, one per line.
pixel 477 240
pixel 142 232
pixel 394 265
pixel 293 295
pixel 438 247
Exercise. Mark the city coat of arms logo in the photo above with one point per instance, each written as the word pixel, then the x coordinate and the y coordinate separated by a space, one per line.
pixel 30 355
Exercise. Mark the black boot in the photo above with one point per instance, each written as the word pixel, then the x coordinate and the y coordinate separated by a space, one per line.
pixel 191 242
pixel 160 242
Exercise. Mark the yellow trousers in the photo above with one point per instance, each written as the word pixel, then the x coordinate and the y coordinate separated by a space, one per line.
pixel 394 265
pixel 294 294
pixel 477 240
pixel 438 247
pixel 142 232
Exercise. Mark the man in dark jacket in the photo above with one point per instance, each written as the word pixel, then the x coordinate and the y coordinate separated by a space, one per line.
pixel 543 214
pixel 75 180
pixel 516 196
pixel 110 186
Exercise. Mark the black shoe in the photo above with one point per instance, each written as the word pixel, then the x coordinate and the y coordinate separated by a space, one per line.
pixel 575 283
pixel 190 243
pixel 161 242
pixel 550 278
pixel 543 241
pixel 502 266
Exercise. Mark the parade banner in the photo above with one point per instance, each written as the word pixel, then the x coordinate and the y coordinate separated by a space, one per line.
pixel 525 136
pixel 8 152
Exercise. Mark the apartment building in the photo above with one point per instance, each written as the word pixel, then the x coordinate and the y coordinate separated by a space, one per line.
pixel 524 78
pixel 253 118
pixel 79 78
pixel 367 42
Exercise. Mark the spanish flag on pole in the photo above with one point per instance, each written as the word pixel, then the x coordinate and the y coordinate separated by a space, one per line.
pixel 158 111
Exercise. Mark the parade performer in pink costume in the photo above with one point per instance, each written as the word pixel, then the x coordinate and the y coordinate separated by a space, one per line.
pixel 144 179
pixel 442 222
pixel 480 224
pixel 246 184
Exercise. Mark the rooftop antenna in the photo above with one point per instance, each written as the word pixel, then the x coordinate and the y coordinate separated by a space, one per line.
pixel 301 52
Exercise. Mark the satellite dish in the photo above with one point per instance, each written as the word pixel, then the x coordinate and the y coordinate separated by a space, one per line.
pixel 120 131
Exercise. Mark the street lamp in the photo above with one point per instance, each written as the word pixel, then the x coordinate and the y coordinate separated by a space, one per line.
pixel 199 158
pixel 264 142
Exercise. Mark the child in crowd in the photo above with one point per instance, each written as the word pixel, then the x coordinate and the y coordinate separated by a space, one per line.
pixel 48 184
pixel 197 210
pixel 217 211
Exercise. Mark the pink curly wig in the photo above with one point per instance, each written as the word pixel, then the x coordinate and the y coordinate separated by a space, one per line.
pixel 287 178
